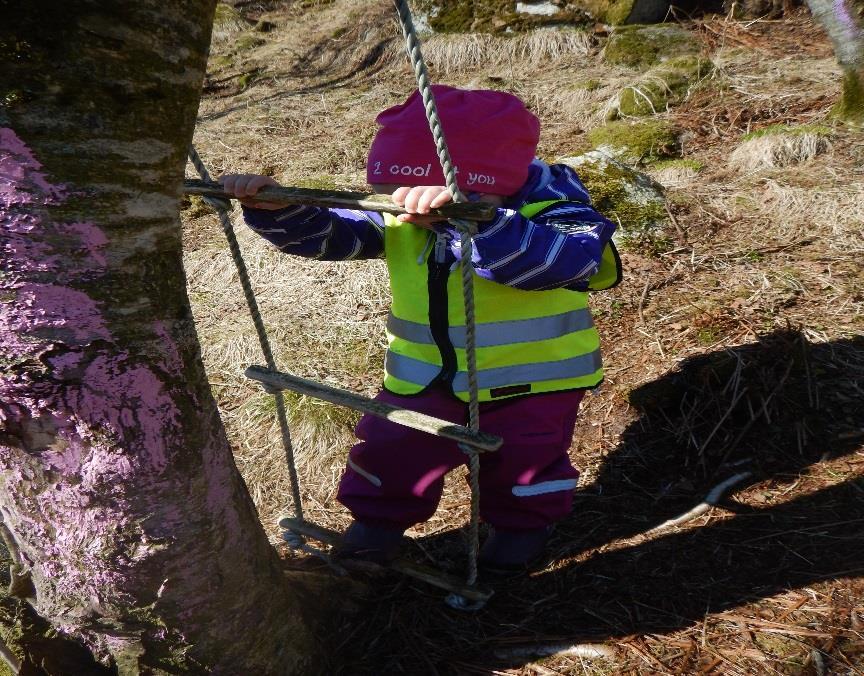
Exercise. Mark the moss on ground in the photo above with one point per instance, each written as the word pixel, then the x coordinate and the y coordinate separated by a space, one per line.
pixel 678 163
pixel 317 182
pixel 640 142
pixel 589 85
pixel 643 46
pixel 663 86
pixel 249 77
pixel 248 41
pixel 194 206
pixel 850 107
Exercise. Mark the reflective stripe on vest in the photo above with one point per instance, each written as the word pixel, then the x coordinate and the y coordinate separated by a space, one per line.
pixel 498 333
pixel 419 372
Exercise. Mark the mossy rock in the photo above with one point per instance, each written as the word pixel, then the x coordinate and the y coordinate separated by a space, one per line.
pixel 248 41
pixel 663 86
pixel 645 46
pixel 492 16
pixel 636 142
pixel 617 12
pixel 626 196
pixel 228 19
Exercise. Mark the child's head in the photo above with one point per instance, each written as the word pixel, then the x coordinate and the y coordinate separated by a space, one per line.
pixel 491 136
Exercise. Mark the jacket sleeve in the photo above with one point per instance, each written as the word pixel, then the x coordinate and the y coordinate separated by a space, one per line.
pixel 560 247
pixel 324 234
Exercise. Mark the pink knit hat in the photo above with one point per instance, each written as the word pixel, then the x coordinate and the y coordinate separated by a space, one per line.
pixel 492 139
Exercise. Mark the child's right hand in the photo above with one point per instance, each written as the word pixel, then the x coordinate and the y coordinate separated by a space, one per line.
pixel 244 187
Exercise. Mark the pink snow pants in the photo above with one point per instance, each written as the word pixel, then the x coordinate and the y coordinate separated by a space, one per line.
pixel 395 475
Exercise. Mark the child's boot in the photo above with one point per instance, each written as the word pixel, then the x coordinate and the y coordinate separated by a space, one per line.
pixel 369 542
pixel 512 551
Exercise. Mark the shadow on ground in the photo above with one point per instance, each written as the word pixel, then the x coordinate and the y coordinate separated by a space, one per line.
pixel 778 408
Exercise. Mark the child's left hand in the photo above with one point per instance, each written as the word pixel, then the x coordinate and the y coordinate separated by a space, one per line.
pixel 418 200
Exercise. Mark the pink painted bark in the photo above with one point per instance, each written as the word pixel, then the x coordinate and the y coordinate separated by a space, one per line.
pixel 117 485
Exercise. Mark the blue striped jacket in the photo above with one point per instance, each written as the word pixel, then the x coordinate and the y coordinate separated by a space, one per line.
pixel 558 248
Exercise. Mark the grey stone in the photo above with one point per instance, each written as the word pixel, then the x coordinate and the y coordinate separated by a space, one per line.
pixel 540 8
pixel 630 198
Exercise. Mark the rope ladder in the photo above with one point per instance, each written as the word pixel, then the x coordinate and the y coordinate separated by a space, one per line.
pixel 461 214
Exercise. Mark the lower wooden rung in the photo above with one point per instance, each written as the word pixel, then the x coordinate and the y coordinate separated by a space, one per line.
pixel 413 419
pixel 409 568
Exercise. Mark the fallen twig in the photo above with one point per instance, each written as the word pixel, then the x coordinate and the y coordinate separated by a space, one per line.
pixel 710 501
pixel 722 420
pixel 642 299
pixel 587 650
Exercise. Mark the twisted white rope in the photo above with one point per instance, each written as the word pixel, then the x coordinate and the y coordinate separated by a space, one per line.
pixel 222 207
pixel 467 229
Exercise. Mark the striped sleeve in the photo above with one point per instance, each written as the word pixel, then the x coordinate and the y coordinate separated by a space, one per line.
pixel 560 247
pixel 324 234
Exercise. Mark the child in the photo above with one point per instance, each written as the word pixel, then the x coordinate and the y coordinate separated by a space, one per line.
pixel 537 348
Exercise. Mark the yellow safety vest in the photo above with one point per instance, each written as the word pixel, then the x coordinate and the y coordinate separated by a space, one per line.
pixel 527 341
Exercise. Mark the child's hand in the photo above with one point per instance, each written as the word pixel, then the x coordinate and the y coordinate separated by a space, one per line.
pixel 418 200
pixel 245 186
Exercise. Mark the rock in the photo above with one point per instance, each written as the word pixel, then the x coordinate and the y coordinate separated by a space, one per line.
pixel 542 8
pixel 618 12
pixel 265 26
pixel 661 87
pixel 490 16
pixel 228 20
pixel 630 198
pixel 636 142
pixel 645 46
pixel 671 64
pixel 498 16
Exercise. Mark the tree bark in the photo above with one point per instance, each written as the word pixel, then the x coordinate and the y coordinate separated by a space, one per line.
pixel 843 20
pixel 118 489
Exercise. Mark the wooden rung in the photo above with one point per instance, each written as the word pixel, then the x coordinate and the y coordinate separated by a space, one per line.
pixel 418 421
pixel 337 199
pixel 409 568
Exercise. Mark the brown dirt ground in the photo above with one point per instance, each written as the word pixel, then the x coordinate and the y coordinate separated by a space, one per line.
pixel 734 345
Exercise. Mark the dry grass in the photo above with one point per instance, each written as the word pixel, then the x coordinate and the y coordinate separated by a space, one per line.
pixel 736 346
pixel 674 176
pixel 781 150
pixel 455 54
pixel 326 322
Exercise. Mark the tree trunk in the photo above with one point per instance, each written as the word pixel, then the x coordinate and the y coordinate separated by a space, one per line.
pixel 134 532
pixel 843 20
